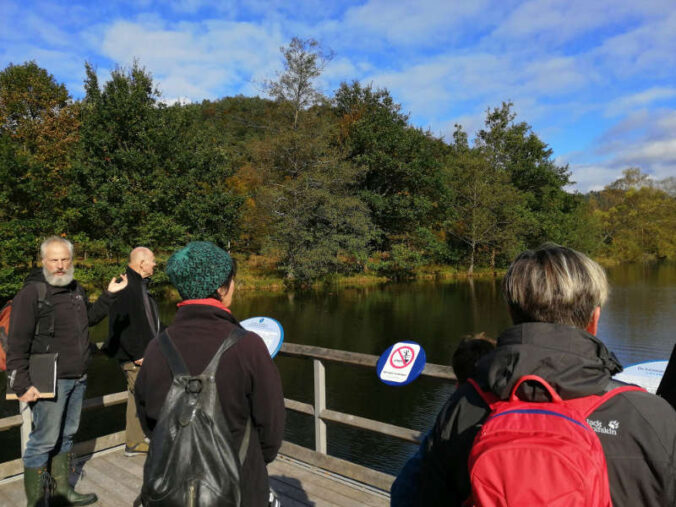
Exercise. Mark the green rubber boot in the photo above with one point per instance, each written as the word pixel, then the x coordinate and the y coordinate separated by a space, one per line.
pixel 34 484
pixel 64 494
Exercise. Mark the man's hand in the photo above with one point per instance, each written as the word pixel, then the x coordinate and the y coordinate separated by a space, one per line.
pixel 115 286
pixel 138 362
pixel 31 395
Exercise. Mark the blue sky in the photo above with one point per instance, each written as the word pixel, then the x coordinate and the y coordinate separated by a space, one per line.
pixel 595 78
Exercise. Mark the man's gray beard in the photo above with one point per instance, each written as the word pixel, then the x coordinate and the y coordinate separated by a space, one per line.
pixel 59 281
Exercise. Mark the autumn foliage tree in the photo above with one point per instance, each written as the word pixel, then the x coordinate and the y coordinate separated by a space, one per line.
pixel 38 133
pixel 638 218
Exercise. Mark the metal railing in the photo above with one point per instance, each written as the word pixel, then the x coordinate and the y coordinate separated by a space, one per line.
pixel 319 356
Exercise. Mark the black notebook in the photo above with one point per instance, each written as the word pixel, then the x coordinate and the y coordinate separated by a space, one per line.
pixel 42 370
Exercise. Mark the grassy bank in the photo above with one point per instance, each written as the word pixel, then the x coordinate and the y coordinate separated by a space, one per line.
pixel 256 273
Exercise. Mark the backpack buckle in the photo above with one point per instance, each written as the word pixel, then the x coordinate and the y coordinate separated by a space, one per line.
pixel 194 386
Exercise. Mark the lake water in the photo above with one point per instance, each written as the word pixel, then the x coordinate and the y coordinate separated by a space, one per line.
pixel 637 323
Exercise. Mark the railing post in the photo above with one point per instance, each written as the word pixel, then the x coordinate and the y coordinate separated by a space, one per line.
pixel 26 424
pixel 320 405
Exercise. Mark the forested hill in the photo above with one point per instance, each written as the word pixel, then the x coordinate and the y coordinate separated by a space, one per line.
pixel 314 185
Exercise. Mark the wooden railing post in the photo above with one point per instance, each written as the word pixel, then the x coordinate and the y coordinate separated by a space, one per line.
pixel 320 405
pixel 26 424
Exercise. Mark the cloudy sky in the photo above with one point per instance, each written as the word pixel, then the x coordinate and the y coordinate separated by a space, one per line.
pixel 595 78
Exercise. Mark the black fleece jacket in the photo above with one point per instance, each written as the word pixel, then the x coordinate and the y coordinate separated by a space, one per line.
pixel 640 455
pixel 72 314
pixel 247 380
pixel 130 326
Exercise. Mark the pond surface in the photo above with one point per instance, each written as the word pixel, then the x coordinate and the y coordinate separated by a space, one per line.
pixel 637 323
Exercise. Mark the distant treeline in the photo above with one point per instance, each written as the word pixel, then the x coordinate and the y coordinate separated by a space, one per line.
pixel 317 185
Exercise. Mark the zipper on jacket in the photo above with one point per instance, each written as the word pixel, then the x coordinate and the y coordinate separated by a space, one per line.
pixel 79 302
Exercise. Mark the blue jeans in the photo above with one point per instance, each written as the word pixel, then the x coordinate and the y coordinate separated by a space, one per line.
pixel 55 422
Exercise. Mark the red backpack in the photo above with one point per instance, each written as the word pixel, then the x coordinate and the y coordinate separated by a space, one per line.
pixel 539 453
pixel 4 333
pixel 6 313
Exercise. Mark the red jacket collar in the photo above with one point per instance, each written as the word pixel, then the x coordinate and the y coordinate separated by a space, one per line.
pixel 207 302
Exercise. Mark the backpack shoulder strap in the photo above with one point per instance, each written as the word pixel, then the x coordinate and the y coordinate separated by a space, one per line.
pixel 489 398
pixel 42 292
pixel 173 356
pixel 235 335
pixel 43 302
pixel 244 447
pixel 596 401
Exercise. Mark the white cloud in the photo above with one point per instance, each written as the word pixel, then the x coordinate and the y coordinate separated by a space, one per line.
pixel 588 177
pixel 197 60
pixel 446 85
pixel 644 139
pixel 554 22
pixel 649 48
pixel 662 151
pixel 419 23
pixel 641 99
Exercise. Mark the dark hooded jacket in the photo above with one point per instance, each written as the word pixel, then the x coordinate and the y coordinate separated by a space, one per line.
pixel 71 314
pixel 640 444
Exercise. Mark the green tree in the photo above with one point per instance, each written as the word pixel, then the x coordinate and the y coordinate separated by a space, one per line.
pixel 487 211
pixel 119 160
pixel 304 61
pixel 38 131
pixel 514 148
pixel 149 174
pixel 196 192
pixel 37 113
pixel 316 225
pixel 401 175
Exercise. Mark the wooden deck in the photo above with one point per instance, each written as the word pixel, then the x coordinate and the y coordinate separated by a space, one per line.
pixel 301 476
pixel 116 480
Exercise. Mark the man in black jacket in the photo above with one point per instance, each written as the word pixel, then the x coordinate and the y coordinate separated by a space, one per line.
pixel 59 325
pixel 555 296
pixel 133 322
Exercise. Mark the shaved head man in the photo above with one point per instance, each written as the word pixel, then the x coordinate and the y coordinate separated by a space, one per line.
pixel 134 321
pixel 142 260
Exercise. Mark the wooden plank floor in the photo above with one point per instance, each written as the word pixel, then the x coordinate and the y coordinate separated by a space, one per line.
pixel 116 480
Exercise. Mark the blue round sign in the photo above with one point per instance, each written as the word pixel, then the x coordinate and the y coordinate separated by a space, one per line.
pixel 401 363
pixel 268 329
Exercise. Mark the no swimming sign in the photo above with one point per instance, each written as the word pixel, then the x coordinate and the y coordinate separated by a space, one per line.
pixel 401 363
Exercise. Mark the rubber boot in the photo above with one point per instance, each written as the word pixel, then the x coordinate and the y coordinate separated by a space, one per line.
pixel 34 484
pixel 64 494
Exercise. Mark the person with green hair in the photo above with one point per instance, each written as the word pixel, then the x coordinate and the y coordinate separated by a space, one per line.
pixel 248 383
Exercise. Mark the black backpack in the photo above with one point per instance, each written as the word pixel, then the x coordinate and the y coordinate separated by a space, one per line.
pixel 192 460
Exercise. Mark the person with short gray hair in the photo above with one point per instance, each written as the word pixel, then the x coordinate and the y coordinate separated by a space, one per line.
pixel 554 284
pixel 554 295
pixel 52 314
